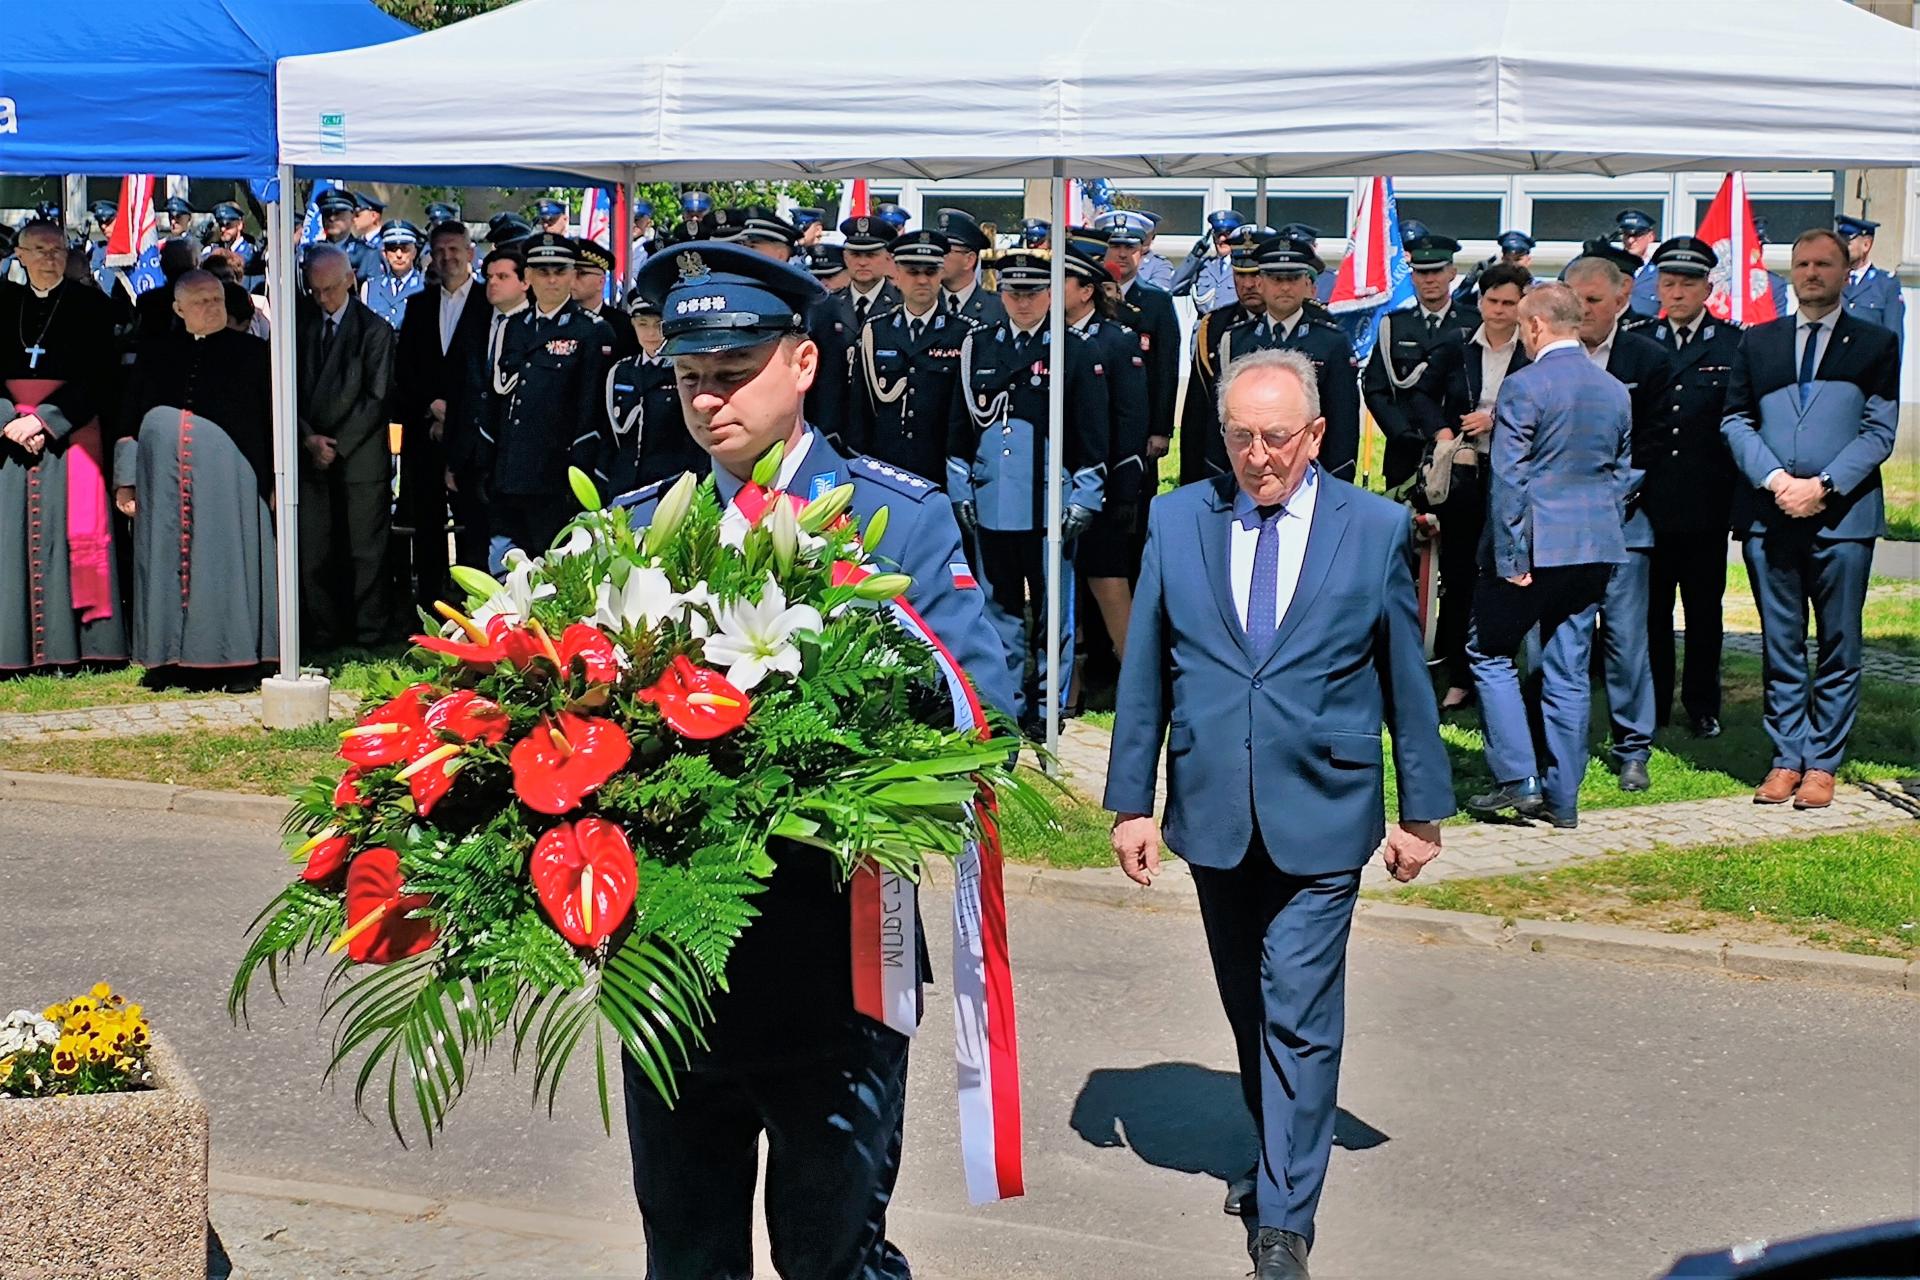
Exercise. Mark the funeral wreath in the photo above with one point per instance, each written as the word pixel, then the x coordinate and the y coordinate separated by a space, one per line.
pixel 555 830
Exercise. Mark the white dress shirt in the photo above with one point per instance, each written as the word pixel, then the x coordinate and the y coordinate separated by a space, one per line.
pixel 451 305
pixel 1494 363
pixel 1296 519
pixel 1800 332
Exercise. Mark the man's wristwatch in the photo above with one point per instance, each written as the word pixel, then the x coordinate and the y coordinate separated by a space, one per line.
pixel 1826 485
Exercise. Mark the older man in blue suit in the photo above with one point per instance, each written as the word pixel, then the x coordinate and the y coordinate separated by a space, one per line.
pixel 1812 404
pixel 1556 500
pixel 1299 635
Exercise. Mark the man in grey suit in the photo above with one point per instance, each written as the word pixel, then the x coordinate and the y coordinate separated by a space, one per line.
pixel 1300 634
pixel 1562 430
pixel 1813 401
pixel 345 370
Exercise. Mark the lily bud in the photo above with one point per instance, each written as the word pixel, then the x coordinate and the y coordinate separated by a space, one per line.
pixel 477 585
pixel 768 467
pixel 671 513
pixel 826 508
pixel 785 532
pixel 584 492
pixel 876 530
pixel 882 586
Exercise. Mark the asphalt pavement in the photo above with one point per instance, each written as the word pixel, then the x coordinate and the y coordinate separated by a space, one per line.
pixel 1504 1114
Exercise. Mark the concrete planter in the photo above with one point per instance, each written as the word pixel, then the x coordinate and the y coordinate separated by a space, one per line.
pixel 109 1184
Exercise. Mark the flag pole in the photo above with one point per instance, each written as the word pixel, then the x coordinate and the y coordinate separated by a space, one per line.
pixel 1056 451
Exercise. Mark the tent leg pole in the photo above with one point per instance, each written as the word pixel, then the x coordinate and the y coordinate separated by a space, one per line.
pixel 1260 201
pixel 1056 453
pixel 287 701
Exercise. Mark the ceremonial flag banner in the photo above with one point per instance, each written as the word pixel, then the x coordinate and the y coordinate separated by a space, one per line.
pixel 310 228
pixel 853 199
pixel 1741 291
pixel 596 216
pixel 1375 277
pixel 134 230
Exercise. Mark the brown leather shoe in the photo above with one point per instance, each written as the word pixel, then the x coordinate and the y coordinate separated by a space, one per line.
pixel 1816 790
pixel 1779 787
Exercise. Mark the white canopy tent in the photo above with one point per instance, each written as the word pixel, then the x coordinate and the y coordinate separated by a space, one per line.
pixel 740 89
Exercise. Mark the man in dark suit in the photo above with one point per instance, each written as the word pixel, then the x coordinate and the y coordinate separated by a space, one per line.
pixel 1604 288
pixel 1287 270
pixel 345 360
pixel 469 402
pixel 1812 407
pixel 1464 380
pixel 870 294
pixel 1408 416
pixel 1555 529
pixel 439 331
pixel 1687 490
pixel 1152 316
pixel 1299 634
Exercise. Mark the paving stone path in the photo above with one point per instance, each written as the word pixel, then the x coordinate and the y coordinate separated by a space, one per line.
pixel 171 716
pixel 1882 664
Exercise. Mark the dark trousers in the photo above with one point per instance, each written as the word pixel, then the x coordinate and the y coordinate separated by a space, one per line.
pixel 1013 568
pixel 423 503
pixel 343 554
pixel 833 1128
pixel 530 521
pixel 1279 950
pixel 471 522
pixel 1693 566
pixel 1623 651
pixel 1809 719
pixel 1463 517
pixel 1562 603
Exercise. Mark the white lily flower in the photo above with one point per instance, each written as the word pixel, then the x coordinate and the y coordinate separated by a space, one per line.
pixel 514 601
pixel 646 600
pixel 699 604
pixel 756 638
pixel 733 529
pixel 578 541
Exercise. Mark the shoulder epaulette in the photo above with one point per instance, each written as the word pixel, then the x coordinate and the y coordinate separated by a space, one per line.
pixel 645 493
pixel 885 473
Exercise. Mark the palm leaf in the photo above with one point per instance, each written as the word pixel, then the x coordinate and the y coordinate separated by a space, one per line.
pixel 297 921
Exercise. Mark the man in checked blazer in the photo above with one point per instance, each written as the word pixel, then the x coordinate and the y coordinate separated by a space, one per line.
pixel 1812 404
pixel 1556 502
pixel 1295 632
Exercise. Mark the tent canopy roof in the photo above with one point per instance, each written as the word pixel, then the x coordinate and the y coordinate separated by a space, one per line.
pixel 120 86
pixel 737 88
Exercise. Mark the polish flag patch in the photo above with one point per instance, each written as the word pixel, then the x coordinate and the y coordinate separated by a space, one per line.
pixel 963 576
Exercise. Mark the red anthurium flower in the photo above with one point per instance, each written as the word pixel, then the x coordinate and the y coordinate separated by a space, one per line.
pixel 752 500
pixel 594 651
pixel 467 716
pixel 697 702
pixel 346 792
pixel 500 641
pixel 846 573
pixel 387 735
pixel 565 758
pixel 429 774
pixel 585 875
pixel 378 930
pixel 326 857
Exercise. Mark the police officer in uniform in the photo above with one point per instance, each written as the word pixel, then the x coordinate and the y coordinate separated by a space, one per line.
pixel 508 231
pixel 648 433
pixel 765 231
pixel 1203 375
pixel 1687 494
pixel 400 276
pixel 960 289
pixel 696 219
pixel 645 240
pixel 1871 293
pixel 1152 315
pixel 997 475
pixel 1406 411
pixel 1310 236
pixel 811 222
pixel 547 408
pixel 1515 249
pixel 870 294
pixel 593 264
pixel 230 232
pixel 553 215
pixel 1154 267
pixel 786 1055
pixel 1207 274
pixel 1637 233
pixel 1287 271
pixel 827 263
pixel 906 364
pixel 109 278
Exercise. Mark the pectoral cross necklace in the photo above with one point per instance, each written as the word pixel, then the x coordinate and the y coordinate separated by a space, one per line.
pixel 38 347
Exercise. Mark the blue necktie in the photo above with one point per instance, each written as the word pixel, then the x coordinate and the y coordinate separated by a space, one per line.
pixel 1807 358
pixel 1263 593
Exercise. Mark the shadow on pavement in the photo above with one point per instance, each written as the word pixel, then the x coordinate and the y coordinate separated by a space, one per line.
pixel 1185 1117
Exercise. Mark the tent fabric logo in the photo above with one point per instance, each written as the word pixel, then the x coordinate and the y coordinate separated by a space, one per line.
pixel 9 116
pixel 333 132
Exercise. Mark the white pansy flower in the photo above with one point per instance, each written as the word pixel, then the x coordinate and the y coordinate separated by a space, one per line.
pixel 646 600
pixel 754 639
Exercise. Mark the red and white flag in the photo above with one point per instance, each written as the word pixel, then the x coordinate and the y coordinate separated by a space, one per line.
pixel 596 216
pixel 853 199
pixel 134 229
pixel 1741 291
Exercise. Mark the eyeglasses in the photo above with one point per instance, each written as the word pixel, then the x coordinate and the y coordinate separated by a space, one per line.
pixel 1239 440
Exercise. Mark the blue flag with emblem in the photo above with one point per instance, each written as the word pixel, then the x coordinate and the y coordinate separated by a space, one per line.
pixel 310 230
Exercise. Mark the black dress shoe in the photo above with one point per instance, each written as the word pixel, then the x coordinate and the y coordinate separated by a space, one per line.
pixel 1241 1191
pixel 1633 776
pixel 1706 726
pixel 1521 797
pixel 1279 1255
pixel 1563 821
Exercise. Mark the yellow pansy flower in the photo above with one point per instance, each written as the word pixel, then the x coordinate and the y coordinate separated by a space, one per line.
pixel 101 991
pixel 66 1058
pixel 6 1070
pixel 54 1013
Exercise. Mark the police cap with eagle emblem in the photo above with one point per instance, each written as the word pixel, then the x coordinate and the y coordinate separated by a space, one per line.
pixel 719 297
pixel 1686 256
pixel 921 248
pixel 549 249
pixel 868 232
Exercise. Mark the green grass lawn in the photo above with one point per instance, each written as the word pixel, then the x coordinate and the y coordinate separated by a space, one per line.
pixel 268 762
pixel 1886 741
pixel 1902 480
pixel 1890 620
pixel 351 670
pixel 1857 892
